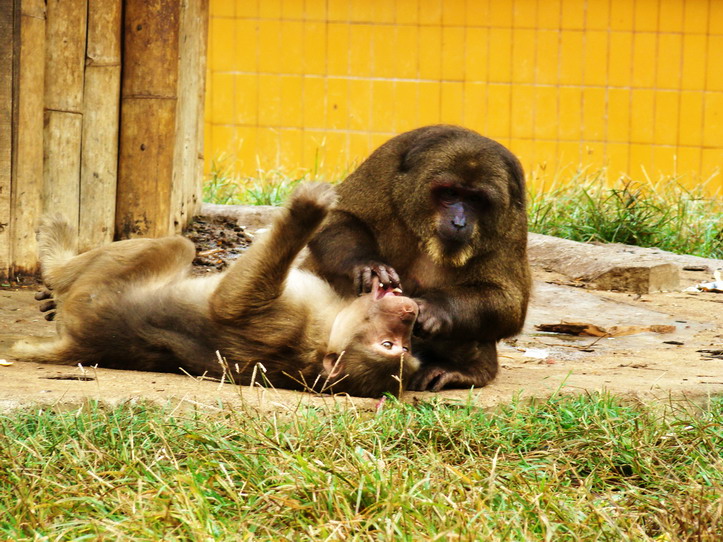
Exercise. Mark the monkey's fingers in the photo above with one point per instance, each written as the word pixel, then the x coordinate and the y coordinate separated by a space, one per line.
pixel 431 320
pixel 48 305
pixel 364 275
pixel 387 275
pixel 442 381
pixel 363 280
pixel 383 275
pixel 394 279
pixel 427 328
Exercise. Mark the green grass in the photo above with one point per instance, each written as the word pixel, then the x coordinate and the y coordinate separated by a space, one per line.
pixel 663 214
pixel 266 188
pixel 583 206
pixel 582 468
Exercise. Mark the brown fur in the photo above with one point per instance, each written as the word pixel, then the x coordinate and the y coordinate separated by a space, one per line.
pixel 472 284
pixel 132 305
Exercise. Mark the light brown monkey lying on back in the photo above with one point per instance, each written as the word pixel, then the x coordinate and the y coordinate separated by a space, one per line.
pixel 132 305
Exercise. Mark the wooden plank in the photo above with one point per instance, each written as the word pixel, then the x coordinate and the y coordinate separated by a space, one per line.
pixel 150 49
pixel 65 33
pixel 7 41
pixel 145 168
pixel 195 199
pixel 104 33
pixel 101 105
pixel 61 163
pixel 27 166
pixel 148 117
pixel 187 175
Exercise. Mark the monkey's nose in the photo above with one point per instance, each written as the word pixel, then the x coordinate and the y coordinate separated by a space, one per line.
pixel 459 222
pixel 408 311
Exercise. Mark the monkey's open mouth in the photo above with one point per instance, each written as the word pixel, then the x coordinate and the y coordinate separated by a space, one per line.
pixel 380 290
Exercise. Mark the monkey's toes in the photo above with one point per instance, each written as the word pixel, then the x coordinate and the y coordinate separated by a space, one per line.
pixel 43 294
pixel 47 305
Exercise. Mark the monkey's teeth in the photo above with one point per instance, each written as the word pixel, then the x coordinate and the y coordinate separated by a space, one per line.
pixel 397 290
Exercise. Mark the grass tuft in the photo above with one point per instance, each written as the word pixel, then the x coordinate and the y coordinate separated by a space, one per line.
pixel 575 468
pixel 266 188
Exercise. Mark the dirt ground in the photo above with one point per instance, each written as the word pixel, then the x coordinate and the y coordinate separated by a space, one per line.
pixel 683 364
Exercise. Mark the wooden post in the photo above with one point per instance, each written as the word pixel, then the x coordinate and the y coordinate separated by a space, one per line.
pixel 148 117
pixel 64 69
pixel 7 41
pixel 188 160
pixel 101 104
pixel 27 174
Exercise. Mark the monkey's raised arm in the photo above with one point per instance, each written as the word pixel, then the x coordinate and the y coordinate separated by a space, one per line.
pixel 259 277
pixel 346 252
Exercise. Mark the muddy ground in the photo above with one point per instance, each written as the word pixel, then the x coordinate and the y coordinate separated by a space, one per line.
pixel 686 363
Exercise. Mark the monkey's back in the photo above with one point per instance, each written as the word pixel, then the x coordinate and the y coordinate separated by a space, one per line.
pixel 160 326
pixel 168 327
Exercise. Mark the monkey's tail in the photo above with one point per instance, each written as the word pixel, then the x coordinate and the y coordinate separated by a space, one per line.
pixel 54 351
pixel 56 244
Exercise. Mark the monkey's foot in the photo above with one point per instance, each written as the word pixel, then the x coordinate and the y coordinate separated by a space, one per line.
pixel 48 306
pixel 313 196
pixel 434 378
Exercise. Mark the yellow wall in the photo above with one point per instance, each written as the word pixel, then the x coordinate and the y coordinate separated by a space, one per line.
pixel 618 83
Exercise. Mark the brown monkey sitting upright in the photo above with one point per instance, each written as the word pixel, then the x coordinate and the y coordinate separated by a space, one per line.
pixel 441 210
pixel 132 305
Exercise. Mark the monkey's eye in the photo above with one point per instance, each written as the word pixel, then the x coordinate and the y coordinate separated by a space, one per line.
pixel 448 194
pixel 388 345
pixel 405 348
pixel 484 198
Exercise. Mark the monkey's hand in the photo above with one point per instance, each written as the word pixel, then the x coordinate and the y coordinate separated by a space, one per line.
pixel 48 306
pixel 432 320
pixel 364 275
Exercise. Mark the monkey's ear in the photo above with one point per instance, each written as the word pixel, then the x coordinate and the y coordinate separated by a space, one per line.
pixel 332 364
pixel 407 160
pixel 517 179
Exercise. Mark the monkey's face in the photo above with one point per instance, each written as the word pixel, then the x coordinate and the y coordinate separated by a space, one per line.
pixel 455 191
pixel 466 203
pixel 370 343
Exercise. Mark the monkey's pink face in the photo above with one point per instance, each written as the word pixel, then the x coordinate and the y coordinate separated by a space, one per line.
pixel 369 350
pixel 381 320
pixel 391 318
